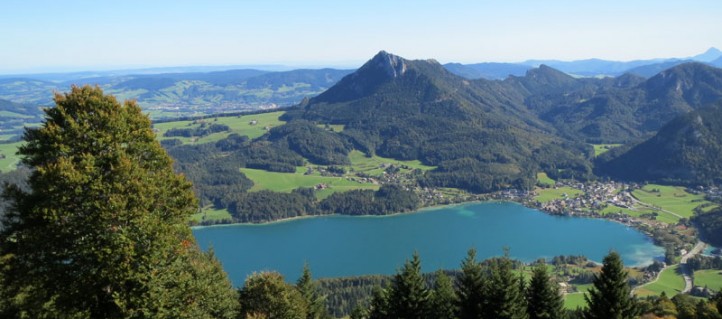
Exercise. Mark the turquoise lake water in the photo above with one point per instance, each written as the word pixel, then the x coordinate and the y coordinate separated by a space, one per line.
pixel 336 246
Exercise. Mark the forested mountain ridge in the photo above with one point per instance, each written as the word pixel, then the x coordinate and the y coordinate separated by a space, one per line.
pixel 477 133
pixel 622 109
pixel 687 150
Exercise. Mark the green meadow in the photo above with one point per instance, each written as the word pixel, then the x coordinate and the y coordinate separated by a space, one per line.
pixel 669 282
pixel 252 126
pixel 711 278
pixel 550 194
pixel 373 166
pixel 286 182
pixel 10 160
pixel 544 180
pixel 600 149
pixel 671 198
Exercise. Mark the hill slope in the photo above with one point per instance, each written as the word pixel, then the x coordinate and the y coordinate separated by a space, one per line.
pixel 477 133
pixel 688 150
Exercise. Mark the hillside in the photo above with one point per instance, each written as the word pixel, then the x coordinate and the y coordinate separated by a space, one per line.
pixel 481 138
pixel 688 150
pixel 622 109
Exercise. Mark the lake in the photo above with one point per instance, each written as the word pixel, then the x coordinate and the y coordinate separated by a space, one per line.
pixel 337 246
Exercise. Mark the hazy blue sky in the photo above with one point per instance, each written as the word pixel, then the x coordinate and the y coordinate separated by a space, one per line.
pixel 52 35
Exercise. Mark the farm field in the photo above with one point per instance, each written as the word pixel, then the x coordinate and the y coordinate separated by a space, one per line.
pixel 210 213
pixel 11 160
pixel 712 278
pixel 550 194
pixel 286 182
pixel 669 282
pixel 671 198
pixel 373 165
pixel 241 125
pixel 543 179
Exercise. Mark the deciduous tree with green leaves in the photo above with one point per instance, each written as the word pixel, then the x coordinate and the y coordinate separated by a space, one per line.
pixel 102 232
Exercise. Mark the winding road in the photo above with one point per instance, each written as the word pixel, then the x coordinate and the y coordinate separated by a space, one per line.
pixel 686 271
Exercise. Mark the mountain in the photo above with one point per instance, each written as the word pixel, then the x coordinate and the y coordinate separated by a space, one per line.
pixel 622 109
pixel 581 68
pixel 651 70
pixel 708 56
pixel 489 71
pixel 476 132
pixel 717 63
pixel 687 150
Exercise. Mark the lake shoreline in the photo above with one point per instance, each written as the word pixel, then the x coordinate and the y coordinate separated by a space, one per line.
pixel 418 210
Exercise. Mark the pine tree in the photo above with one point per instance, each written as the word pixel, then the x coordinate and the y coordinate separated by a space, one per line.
pixel 309 291
pixel 379 308
pixel 505 297
pixel 443 298
pixel 408 296
pixel 103 232
pixel 471 287
pixel 543 298
pixel 610 298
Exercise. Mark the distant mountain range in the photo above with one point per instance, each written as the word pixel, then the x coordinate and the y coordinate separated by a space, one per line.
pixel 176 94
pixel 584 68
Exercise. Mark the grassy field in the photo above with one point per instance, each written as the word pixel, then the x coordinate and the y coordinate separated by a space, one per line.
pixel 600 149
pixel 242 125
pixel 11 160
pixel 549 194
pixel 286 182
pixel 333 127
pixel 373 165
pixel 669 281
pixel 543 179
pixel 712 278
pixel 209 213
pixel 575 300
pixel 671 198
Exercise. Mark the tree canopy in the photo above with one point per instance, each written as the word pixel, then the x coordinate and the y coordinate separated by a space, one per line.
pixel 102 231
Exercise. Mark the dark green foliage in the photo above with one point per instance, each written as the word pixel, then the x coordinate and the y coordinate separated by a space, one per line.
pixel 688 150
pixel 409 298
pixel 101 231
pixel 611 295
pixel 471 285
pixel 316 307
pixel 387 200
pixel 710 226
pixel 544 300
pixel 316 144
pixel 265 206
pixel 443 298
pixel 504 291
pixel 267 295
pixel 379 307
pixel 203 130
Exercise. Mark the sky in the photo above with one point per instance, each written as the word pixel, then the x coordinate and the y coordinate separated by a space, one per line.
pixel 73 35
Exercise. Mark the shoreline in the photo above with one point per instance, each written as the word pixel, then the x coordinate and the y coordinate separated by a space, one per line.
pixel 416 211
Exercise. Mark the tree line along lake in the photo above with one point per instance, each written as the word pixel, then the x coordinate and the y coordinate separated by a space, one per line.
pixel 337 246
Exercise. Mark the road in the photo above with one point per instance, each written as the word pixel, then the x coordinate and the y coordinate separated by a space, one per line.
pixel 686 271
